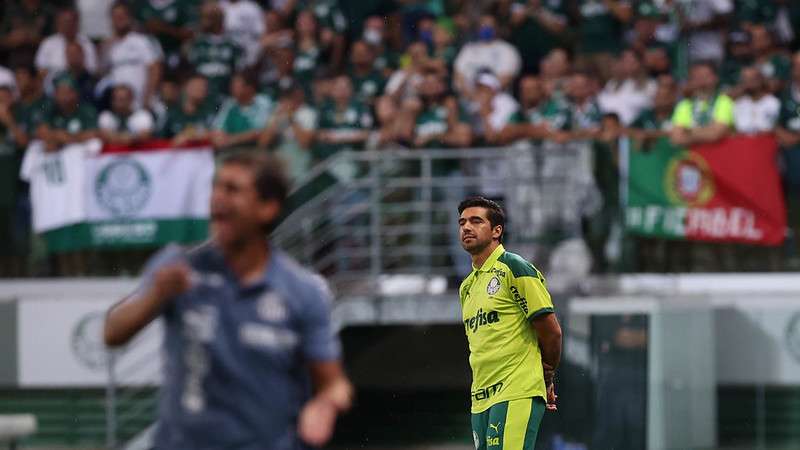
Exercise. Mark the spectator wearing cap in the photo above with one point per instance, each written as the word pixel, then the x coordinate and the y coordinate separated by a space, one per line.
pixel 707 114
pixel 191 119
pixel 24 25
pixel 630 92
pixel 52 54
pixel 124 124
pixel 488 51
pixel 601 25
pixel 756 110
pixel 67 120
pixel 170 22
pixel 244 24
pixel 773 63
pixel 537 26
pixel 130 57
pixel 495 108
pixel 212 54
pixel 290 131
pixel 75 69
pixel 705 21
pixel 244 115
pixel 367 81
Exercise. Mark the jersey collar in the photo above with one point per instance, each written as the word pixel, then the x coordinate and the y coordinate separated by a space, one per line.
pixel 492 258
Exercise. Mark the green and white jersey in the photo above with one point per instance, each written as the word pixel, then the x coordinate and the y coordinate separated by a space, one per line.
pixel 777 66
pixel 30 115
pixel 367 87
pixel 432 121
pixel 216 57
pixel 179 120
pixel 648 120
pixel 554 112
pixel 328 13
pixel 498 302
pixel 235 118
pixel 306 63
pixel 82 119
pixel 690 112
pixel 176 13
pixel 355 118
pixel 790 110
pixel 585 117
pixel 599 30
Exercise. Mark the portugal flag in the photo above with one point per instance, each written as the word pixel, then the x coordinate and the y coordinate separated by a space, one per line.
pixel 728 191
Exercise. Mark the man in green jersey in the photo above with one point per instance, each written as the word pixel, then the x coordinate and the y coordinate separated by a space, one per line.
pixel 513 334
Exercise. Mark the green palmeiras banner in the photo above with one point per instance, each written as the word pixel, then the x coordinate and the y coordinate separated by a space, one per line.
pixel 728 191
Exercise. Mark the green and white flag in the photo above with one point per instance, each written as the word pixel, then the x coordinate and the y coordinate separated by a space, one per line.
pixel 146 196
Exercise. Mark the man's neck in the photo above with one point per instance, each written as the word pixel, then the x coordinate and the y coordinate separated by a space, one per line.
pixel 705 94
pixel 248 260
pixel 31 96
pixel 479 259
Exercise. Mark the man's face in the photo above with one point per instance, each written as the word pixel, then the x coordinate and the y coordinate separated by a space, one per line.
pixel 664 98
pixel 67 24
pixel 24 79
pixel 211 18
pixel 751 80
pixel 240 90
pixel 196 89
pixel 237 212
pixel 431 87
pixel 361 55
pixel 120 20
pixel 475 230
pixel 342 90
pixel 66 97
pixel 530 91
pixel 122 100
pixel 74 55
pixel 579 88
pixel 703 78
pixel 762 41
pixel 306 24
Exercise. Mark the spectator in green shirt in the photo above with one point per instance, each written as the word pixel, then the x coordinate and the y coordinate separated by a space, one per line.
pixel 539 117
pixel 213 54
pixel 168 21
pixel 585 113
pixel 31 105
pixel 290 131
pixel 386 59
pixel 190 120
pixel 67 120
pixel 773 63
pixel 655 122
pixel 243 116
pixel 123 124
pixel 367 81
pixel 537 26
pixel 344 124
pixel 707 115
pixel 601 24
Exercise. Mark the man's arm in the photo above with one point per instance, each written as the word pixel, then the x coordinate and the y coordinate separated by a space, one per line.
pixel 135 312
pixel 548 332
pixel 332 395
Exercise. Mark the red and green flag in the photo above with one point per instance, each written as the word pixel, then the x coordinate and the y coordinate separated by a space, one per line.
pixel 728 191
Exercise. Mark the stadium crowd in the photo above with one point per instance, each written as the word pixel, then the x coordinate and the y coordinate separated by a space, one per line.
pixel 309 78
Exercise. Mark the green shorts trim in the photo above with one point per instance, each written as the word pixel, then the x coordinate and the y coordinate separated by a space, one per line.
pixel 510 425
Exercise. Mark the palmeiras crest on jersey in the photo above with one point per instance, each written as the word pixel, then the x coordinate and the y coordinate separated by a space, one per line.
pixel 793 337
pixel 493 286
pixel 123 187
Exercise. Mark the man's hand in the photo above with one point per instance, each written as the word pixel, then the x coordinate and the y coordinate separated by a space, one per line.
pixel 317 420
pixel 551 398
pixel 171 281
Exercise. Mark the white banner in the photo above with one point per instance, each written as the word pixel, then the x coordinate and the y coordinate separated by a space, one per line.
pixel 60 344
pixel 76 184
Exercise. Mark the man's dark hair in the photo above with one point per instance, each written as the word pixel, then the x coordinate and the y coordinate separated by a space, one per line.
pixel 704 63
pixel 270 175
pixel 249 76
pixel 494 212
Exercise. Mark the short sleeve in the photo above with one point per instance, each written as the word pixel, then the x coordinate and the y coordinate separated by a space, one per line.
pixel 723 110
pixel 530 293
pixel 320 341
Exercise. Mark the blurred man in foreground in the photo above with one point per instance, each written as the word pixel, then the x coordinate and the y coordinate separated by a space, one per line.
pixel 514 336
pixel 248 331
